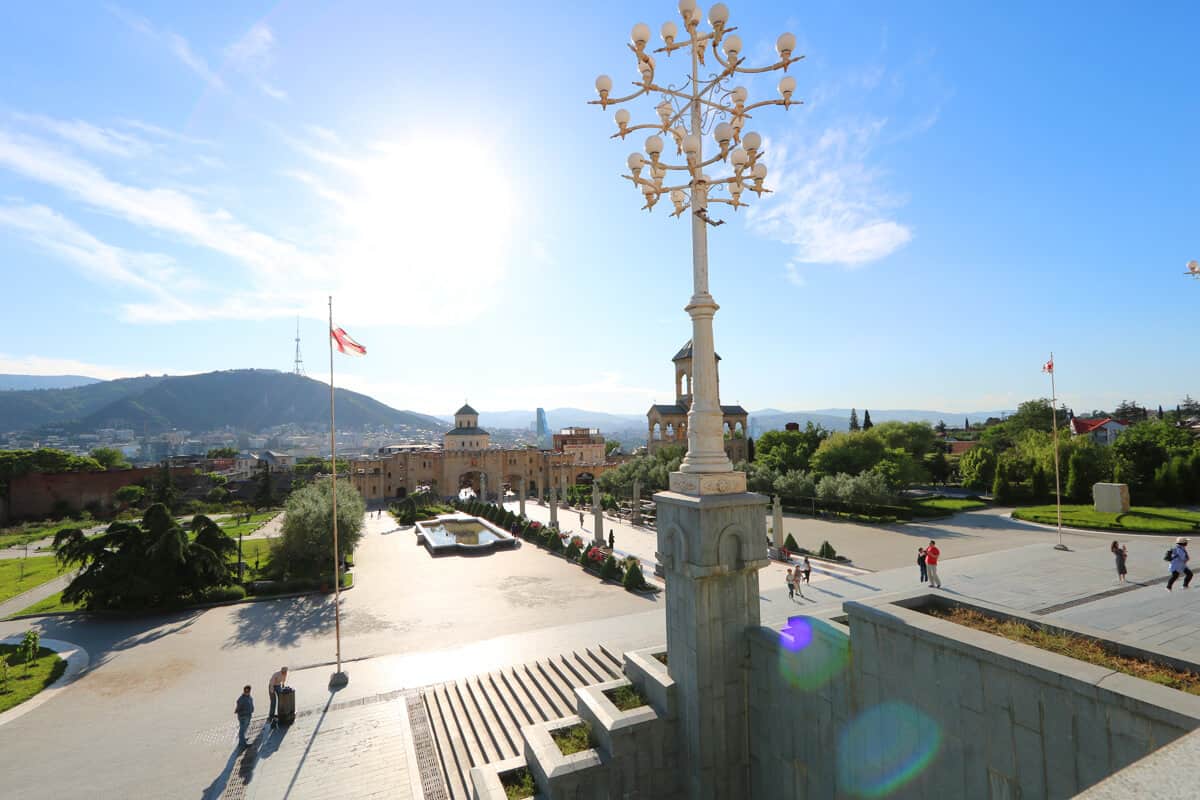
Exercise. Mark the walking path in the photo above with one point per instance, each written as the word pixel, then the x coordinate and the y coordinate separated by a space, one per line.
pixel 15 605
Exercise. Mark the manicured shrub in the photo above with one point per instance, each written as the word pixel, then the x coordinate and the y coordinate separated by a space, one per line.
pixel 611 569
pixel 826 550
pixel 790 544
pixel 554 541
pixel 221 594
pixel 634 579
pixel 573 551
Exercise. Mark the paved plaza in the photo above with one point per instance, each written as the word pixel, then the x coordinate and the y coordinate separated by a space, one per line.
pixel 153 714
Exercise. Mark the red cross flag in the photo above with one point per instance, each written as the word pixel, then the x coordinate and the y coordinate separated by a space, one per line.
pixel 1049 365
pixel 345 344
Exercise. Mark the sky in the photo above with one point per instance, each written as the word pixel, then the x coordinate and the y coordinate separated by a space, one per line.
pixel 964 189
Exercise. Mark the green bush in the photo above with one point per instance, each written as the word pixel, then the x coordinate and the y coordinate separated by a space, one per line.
pixel 573 551
pixel 554 541
pixel 221 594
pixel 611 569
pixel 826 550
pixel 790 544
pixel 583 558
pixel 634 579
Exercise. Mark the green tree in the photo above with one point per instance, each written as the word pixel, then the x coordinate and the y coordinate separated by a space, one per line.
pixel 110 458
pixel 795 484
pixel 1040 484
pixel 149 565
pixel 915 438
pixel 940 427
pixel 977 467
pixel 611 446
pixel 850 453
pixel 163 489
pixel 854 420
pixel 1002 492
pixel 1142 448
pixel 130 495
pixel 222 452
pixel 306 547
pixel 789 450
pixel 937 466
pixel 1086 465
pixel 28 648
pixel 264 497
pixel 866 423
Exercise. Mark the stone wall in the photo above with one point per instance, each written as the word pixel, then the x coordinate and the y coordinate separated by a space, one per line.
pixel 927 708
pixel 35 494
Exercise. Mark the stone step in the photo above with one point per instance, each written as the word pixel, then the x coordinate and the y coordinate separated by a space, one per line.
pixel 478 719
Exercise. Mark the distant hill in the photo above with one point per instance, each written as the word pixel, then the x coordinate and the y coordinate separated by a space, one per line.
pixel 838 419
pixel 247 400
pixel 558 418
pixel 21 383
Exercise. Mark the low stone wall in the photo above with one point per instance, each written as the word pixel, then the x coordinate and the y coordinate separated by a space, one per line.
pixel 909 705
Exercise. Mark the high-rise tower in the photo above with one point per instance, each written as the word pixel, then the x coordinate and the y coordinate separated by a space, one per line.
pixel 298 369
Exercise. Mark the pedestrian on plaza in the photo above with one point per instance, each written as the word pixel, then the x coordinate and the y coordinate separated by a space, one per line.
pixel 278 681
pixel 921 564
pixel 1120 553
pixel 1178 556
pixel 807 570
pixel 244 709
pixel 581 519
pixel 931 561
pixel 611 540
pixel 790 584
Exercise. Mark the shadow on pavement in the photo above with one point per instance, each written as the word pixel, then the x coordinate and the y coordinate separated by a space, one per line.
pixel 281 622
pixel 308 746
pixel 103 636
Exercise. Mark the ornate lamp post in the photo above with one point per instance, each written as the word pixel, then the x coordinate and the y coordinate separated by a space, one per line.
pixel 703 104
pixel 711 531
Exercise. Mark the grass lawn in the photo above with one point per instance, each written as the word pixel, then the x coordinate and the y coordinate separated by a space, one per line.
pixel 44 670
pixel 1140 519
pixel 1078 647
pixel 233 528
pixel 50 605
pixel 37 570
pixel 943 506
pixel 18 535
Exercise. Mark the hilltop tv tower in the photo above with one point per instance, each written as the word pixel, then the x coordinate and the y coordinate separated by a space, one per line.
pixel 298 369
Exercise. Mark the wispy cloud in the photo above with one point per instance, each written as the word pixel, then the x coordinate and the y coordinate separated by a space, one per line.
pixel 829 202
pixel 150 273
pixel 106 141
pixel 175 43
pixel 252 55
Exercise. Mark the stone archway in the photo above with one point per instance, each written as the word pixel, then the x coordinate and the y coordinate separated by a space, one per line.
pixel 469 479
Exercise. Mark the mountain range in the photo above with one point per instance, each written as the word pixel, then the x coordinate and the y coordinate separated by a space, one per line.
pixel 25 382
pixel 244 400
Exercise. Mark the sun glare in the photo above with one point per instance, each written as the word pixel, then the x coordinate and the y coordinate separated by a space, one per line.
pixel 428 227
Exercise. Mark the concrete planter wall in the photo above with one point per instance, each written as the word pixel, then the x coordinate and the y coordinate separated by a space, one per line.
pixel 486 783
pixel 634 744
pixel 579 776
pixel 651 677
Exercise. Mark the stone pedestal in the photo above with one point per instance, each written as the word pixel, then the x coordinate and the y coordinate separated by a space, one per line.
pixel 711 546
pixel 597 516
pixel 1111 498
pixel 637 502
pixel 778 537
pixel 521 490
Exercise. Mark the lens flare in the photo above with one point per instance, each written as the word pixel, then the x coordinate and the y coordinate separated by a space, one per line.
pixel 884 748
pixel 812 652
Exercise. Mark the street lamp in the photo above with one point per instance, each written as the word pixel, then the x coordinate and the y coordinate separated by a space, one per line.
pixel 702 105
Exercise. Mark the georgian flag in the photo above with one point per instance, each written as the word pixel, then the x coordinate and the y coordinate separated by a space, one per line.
pixel 1049 365
pixel 345 344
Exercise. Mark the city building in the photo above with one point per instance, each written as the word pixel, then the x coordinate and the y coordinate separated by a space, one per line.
pixel 1102 431
pixel 466 459
pixel 668 422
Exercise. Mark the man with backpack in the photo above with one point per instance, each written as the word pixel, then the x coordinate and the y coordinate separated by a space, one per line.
pixel 1178 557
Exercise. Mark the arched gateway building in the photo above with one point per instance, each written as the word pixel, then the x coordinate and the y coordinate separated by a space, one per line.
pixel 467 459
pixel 668 423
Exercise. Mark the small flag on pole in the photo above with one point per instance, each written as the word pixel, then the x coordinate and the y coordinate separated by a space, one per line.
pixel 345 344
pixel 1049 366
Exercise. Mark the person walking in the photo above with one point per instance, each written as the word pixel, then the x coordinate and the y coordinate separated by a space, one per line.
pixel 931 561
pixel 921 564
pixel 581 519
pixel 1178 556
pixel 807 570
pixel 244 710
pixel 1120 553
pixel 611 540
pixel 790 584
pixel 277 682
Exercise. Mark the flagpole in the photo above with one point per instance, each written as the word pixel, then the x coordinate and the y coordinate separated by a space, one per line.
pixel 338 678
pixel 1057 472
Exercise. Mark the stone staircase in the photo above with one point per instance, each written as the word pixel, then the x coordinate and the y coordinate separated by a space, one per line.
pixel 477 720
